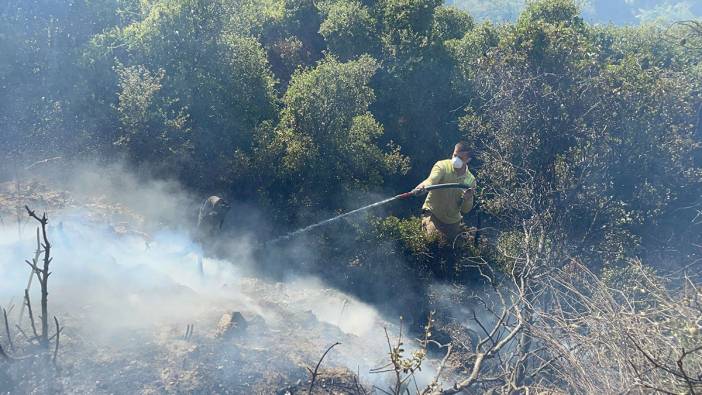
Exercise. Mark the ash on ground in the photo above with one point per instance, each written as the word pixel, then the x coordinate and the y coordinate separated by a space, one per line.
pixel 138 317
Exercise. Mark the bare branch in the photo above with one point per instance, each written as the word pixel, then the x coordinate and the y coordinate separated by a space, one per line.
pixel 7 330
pixel 314 374
pixel 58 338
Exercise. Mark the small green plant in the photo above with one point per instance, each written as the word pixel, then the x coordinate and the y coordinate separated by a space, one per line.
pixel 404 365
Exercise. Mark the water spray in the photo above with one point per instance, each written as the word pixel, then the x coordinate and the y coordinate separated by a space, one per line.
pixel 401 196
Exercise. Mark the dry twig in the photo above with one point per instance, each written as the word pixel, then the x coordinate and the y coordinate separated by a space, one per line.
pixel 316 369
pixel 7 330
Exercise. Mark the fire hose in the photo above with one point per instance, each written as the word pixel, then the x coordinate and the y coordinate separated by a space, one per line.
pixel 452 185
pixel 401 196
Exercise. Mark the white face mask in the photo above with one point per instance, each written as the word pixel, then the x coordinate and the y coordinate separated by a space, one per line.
pixel 457 162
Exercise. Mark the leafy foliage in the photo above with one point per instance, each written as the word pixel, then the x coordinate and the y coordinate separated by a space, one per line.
pixel 550 74
pixel 349 29
pixel 327 137
pixel 589 132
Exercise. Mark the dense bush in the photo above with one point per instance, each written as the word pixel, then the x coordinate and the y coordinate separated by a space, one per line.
pixel 588 132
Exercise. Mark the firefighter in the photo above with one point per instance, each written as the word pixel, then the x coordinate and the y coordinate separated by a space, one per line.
pixel 210 220
pixel 211 215
pixel 443 209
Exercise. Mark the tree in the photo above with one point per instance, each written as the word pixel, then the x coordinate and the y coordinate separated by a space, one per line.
pixel 289 31
pixel 349 30
pixel 218 82
pixel 550 132
pixel 326 142
pixel 42 85
pixel 416 103
pixel 153 127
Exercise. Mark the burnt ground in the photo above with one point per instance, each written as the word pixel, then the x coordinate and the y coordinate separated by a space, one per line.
pixel 133 337
pixel 262 359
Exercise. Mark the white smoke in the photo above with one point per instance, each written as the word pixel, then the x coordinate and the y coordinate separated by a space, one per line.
pixel 124 261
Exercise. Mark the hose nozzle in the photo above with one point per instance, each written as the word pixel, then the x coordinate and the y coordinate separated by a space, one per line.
pixel 405 195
